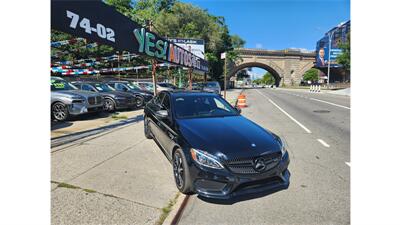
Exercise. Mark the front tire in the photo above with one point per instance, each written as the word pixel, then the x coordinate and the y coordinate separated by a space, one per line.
pixel 147 133
pixel 109 105
pixel 139 101
pixel 181 172
pixel 59 111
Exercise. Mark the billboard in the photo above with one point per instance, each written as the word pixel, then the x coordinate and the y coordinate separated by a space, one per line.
pixel 98 22
pixel 323 57
pixel 196 45
pixel 339 35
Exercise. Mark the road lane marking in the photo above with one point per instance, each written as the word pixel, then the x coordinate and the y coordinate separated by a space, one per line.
pixel 348 163
pixel 287 114
pixel 323 143
pixel 330 103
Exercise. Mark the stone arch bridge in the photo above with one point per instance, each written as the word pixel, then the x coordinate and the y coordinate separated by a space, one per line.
pixel 287 66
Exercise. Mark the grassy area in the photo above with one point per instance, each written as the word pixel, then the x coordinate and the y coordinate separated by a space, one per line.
pixel 65 185
pixel 116 116
pixel 167 209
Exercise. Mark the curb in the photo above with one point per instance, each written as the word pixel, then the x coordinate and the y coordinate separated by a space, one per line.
pixel 177 210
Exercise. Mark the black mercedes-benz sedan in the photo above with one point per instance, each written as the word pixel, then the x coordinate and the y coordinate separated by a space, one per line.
pixel 215 152
pixel 113 100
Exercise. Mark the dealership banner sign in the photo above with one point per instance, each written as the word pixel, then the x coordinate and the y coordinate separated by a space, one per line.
pixel 96 21
pixel 195 46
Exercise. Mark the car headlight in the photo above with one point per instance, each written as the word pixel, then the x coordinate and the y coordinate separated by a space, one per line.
pixel 283 147
pixel 78 100
pixel 205 159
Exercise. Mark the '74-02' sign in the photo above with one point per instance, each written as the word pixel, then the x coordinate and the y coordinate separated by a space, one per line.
pixel 101 23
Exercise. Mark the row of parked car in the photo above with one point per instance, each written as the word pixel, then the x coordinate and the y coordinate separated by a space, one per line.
pixel 81 97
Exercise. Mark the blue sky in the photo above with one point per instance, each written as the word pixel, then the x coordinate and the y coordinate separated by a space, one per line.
pixel 278 24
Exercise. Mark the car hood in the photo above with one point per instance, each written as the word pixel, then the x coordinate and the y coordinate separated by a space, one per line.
pixel 77 93
pixel 228 137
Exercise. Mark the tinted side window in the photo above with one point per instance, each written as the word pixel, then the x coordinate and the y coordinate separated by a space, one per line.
pixel 159 98
pixel 87 87
pixel 119 87
pixel 166 103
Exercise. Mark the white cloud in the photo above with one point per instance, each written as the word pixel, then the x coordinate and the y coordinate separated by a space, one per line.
pixel 259 45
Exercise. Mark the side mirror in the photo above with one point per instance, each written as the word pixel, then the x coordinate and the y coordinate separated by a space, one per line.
pixel 239 110
pixel 162 114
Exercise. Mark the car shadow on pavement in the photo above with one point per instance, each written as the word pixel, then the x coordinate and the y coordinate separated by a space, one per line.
pixel 57 141
pixel 55 125
pixel 242 198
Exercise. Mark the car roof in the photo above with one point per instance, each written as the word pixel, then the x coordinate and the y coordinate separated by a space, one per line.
pixel 183 92
pixel 56 78
pixel 118 81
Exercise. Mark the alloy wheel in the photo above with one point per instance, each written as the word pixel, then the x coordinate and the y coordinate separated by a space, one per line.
pixel 178 170
pixel 108 105
pixel 139 102
pixel 60 112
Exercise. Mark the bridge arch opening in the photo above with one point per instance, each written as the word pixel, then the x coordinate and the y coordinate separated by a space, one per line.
pixel 243 66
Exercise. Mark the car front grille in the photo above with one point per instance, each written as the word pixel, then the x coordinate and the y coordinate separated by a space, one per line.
pixel 92 100
pixel 99 99
pixel 95 100
pixel 247 165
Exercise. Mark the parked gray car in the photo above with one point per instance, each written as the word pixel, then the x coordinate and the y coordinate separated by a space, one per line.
pixel 67 100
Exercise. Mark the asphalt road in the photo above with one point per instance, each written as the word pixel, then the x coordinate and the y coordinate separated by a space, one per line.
pixel 316 129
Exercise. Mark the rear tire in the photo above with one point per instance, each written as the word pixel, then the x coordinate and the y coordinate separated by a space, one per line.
pixel 181 172
pixel 59 111
pixel 147 133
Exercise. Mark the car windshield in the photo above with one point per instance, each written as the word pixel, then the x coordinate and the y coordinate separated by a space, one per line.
pixel 212 84
pixel 148 86
pixel 163 84
pixel 134 86
pixel 103 87
pixel 192 106
pixel 61 85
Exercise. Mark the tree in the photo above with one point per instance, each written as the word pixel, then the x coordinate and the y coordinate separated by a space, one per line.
pixel 268 78
pixel 311 75
pixel 344 57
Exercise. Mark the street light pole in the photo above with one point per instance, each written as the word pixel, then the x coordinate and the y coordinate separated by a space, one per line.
pixel 329 52
pixel 329 55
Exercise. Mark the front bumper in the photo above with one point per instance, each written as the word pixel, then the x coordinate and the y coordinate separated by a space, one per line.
pixel 223 184
pixel 78 108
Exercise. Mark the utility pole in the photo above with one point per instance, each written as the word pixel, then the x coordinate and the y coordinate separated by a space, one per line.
pixel 190 72
pixel 119 74
pixel 223 56
pixel 154 65
pixel 180 77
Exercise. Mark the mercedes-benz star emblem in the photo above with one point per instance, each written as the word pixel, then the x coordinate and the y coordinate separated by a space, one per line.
pixel 259 164
pixel 253 145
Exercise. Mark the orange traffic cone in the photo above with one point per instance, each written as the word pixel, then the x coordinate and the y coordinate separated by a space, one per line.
pixel 241 101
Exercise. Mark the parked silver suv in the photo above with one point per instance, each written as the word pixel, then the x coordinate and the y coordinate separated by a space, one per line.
pixel 67 100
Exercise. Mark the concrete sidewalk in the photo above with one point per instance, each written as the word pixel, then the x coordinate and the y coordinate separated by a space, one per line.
pixel 345 92
pixel 118 178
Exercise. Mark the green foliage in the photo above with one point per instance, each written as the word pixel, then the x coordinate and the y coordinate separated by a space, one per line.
pixel 268 78
pixel 311 75
pixel 344 57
